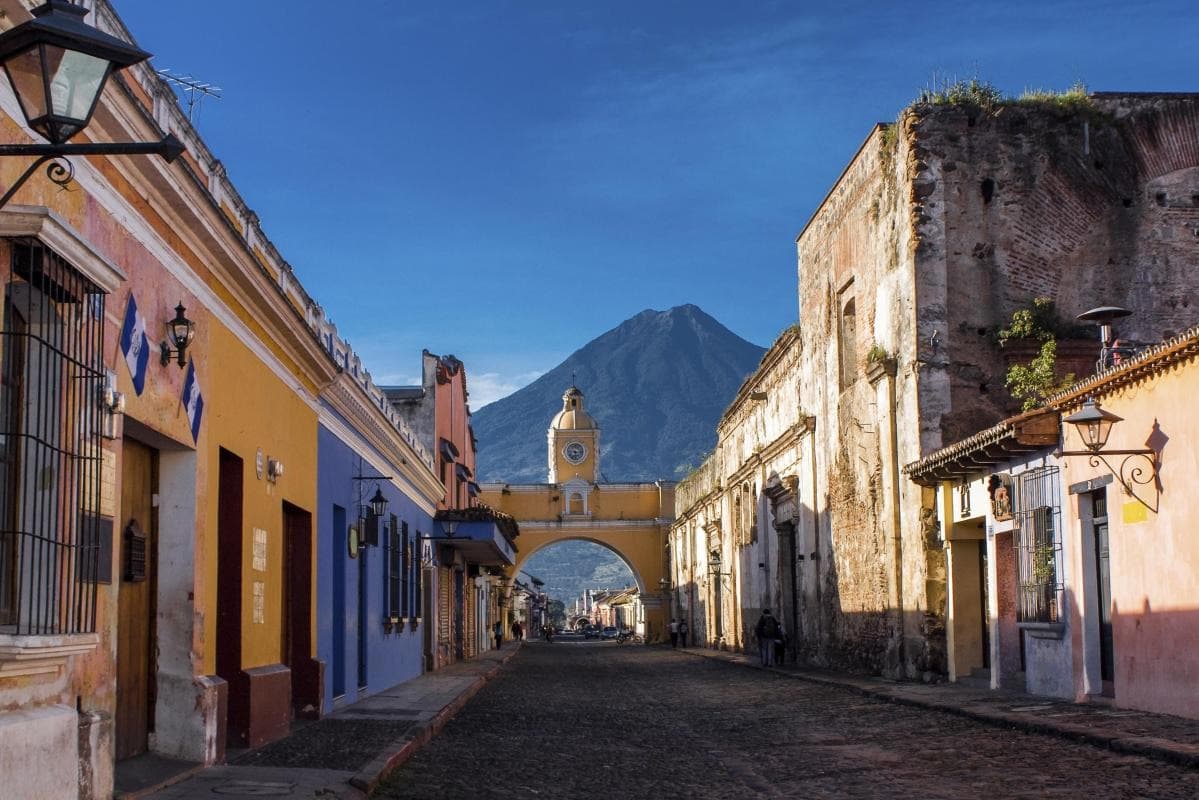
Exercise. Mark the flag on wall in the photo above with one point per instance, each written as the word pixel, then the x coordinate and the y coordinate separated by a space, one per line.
pixel 134 345
pixel 193 401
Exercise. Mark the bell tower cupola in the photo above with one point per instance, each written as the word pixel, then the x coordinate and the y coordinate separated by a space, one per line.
pixel 573 441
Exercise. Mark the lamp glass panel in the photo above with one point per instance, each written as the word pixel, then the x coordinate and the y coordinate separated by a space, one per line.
pixel 181 332
pixel 75 80
pixel 25 73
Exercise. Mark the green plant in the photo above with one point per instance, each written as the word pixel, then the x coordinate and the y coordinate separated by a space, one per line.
pixel 1075 99
pixel 1035 381
pixel 973 92
pixel 876 354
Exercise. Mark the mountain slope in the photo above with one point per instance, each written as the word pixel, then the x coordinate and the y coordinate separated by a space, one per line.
pixel 656 384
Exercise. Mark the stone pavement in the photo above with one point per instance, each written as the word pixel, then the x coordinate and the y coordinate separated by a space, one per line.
pixel 598 720
pixel 1157 736
pixel 345 754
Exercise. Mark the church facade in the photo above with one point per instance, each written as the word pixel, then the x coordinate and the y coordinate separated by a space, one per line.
pixel 631 519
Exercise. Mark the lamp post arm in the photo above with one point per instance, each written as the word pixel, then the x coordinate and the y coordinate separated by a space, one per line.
pixel 61 173
pixel 1132 472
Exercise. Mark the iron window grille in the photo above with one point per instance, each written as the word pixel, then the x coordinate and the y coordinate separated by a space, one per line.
pixel 418 579
pixel 405 566
pixel 1038 545
pixel 51 343
pixel 394 587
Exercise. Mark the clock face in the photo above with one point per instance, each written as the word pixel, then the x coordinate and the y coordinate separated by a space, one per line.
pixel 575 452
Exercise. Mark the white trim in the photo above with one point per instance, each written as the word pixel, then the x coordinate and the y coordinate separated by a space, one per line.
pixel 42 223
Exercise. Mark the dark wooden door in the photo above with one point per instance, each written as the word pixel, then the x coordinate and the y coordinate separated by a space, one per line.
pixel 459 614
pixel 297 607
pixel 135 600
pixel 229 588
pixel 1103 583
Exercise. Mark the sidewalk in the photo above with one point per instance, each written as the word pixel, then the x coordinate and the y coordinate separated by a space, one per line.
pixel 347 753
pixel 1156 736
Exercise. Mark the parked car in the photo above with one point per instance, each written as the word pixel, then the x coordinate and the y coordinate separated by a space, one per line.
pixel 609 632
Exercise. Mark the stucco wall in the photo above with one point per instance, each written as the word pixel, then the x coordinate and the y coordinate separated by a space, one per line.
pixel 392 656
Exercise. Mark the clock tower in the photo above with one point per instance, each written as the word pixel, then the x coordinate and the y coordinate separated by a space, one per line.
pixel 573 442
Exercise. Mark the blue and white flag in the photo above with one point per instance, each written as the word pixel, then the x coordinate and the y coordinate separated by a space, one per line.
pixel 134 345
pixel 193 401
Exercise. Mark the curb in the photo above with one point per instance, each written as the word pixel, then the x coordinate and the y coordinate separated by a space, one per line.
pixel 1178 753
pixel 370 776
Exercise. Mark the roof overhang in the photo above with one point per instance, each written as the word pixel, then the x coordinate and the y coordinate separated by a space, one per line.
pixel 478 542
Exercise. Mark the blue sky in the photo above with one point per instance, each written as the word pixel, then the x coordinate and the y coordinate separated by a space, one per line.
pixel 505 180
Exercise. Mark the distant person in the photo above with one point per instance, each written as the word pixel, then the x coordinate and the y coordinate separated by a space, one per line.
pixel 780 645
pixel 518 631
pixel 674 632
pixel 498 631
pixel 767 631
pixel 683 633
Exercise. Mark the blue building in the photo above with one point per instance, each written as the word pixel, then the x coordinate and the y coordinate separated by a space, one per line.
pixel 376 496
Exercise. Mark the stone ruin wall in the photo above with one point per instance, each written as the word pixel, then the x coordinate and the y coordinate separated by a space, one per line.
pixel 857 245
pixel 1090 207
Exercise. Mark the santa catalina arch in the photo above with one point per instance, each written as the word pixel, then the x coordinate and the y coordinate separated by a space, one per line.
pixel 631 519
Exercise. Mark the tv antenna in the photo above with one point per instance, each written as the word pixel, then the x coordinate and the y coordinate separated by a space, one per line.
pixel 193 90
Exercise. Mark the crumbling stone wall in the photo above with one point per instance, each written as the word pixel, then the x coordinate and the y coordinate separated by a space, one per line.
pixel 940 227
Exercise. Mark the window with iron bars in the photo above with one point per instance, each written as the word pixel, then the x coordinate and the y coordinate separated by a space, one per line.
pixel 394 587
pixel 417 578
pixel 51 343
pixel 1038 545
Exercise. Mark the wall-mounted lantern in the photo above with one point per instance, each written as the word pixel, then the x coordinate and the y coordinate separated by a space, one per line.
pixel 274 469
pixel 58 65
pixel 1138 468
pixel 715 565
pixel 378 503
pixel 180 332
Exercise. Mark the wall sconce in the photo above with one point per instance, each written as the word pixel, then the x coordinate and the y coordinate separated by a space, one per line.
pixel 450 527
pixel 274 469
pixel 112 404
pixel 1138 468
pixel 715 565
pixel 378 503
pixel 180 332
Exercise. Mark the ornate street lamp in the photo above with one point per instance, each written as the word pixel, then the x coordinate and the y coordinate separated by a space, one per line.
pixel 1138 468
pixel 180 332
pixel 58 66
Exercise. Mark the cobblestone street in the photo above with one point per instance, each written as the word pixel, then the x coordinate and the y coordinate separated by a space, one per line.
pixel 601 720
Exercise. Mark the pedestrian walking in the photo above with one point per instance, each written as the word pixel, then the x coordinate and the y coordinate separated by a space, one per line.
pixel 674 632
pixel 518 631
pixel 498 630
pixel 766 631
pixel 780 645
pixel 683 633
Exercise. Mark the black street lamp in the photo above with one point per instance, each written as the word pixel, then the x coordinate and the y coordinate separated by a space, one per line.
pixel 180 332
pixel 378 503
pixel 1138 468
pixel 58 66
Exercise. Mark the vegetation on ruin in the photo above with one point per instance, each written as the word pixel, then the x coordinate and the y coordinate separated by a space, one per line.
pixel 1034 382
pixel 985 96
pixel 876 354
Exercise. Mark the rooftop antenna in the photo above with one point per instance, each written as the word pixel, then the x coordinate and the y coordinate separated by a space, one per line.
pixel 193 90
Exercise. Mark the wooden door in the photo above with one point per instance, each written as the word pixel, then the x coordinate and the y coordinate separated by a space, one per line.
pixel 1103 582
pixel 135 598
pixel 229 591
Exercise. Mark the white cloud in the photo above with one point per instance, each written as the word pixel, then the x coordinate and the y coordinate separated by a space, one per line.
pixel 487 387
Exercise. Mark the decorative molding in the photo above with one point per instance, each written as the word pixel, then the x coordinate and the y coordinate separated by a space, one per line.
pixel 46 225
pixel 41 655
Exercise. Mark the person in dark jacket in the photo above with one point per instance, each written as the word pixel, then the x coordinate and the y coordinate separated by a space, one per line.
pixel 767 631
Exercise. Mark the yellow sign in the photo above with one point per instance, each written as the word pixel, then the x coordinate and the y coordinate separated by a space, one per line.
pixel 1135 511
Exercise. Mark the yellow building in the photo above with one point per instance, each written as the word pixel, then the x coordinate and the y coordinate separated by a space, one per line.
pixel 631 519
